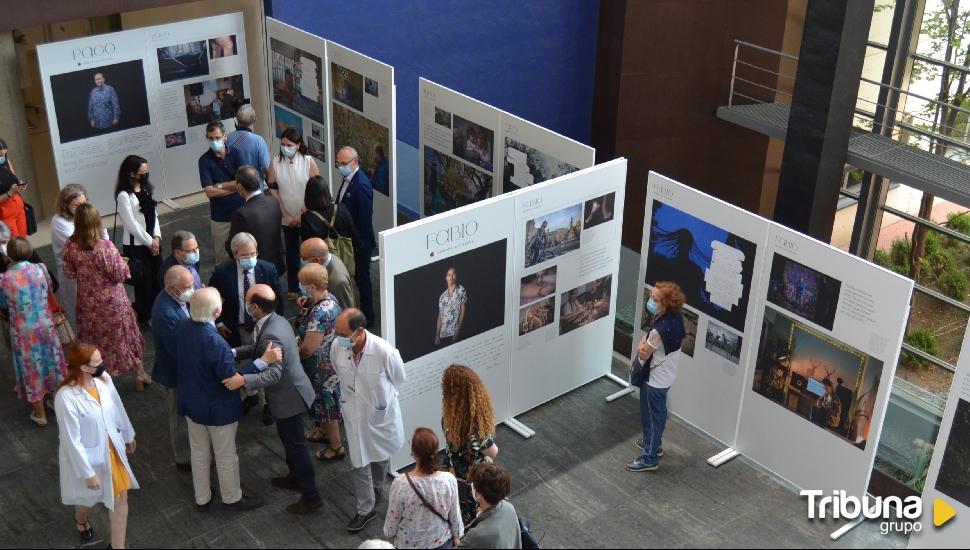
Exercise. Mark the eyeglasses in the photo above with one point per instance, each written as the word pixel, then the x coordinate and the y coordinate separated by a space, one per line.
pixel 339 164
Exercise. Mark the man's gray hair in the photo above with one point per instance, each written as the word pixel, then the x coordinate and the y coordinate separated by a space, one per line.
pixel 241 240
pixel 4 232
pixel 174 275
pixel 179 238
pixel 204 303
pixel 353 151
pixel 246 116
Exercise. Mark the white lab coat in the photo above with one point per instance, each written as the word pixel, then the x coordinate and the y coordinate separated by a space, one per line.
pixel 85 431
pixel 368 400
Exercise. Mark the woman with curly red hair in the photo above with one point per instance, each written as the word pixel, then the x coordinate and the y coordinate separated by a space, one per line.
pixel 468 422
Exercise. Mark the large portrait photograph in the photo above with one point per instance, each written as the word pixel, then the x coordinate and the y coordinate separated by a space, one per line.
pixel 525 166
pixel 297 79
pixel 585 304
pixel 827 382
pixel 101 100
pixel 212 100
pixel 472 142
pixel 549 236
pixel 347 86
pixel 370 139
pixel 713 267
pixel 449 183
pixel 954 477
pixel 804 291
pixel 450 300
pixel 182 61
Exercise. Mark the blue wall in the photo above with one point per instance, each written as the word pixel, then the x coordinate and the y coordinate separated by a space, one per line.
pixel 533 58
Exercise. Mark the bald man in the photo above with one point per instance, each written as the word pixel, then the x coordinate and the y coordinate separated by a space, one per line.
pixel 288 392
pixel 341 285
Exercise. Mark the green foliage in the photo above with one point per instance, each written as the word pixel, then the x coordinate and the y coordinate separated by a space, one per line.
pixel 954 284
pixel 882 258
pixel 933 243
pixel 923 340
pixel 899 251
pixel 940 261
pixel 959 221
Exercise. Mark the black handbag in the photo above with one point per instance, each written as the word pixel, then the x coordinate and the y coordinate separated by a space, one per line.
pixel 528 536
pixel 640 372
pixel 31 219
pixel 136 265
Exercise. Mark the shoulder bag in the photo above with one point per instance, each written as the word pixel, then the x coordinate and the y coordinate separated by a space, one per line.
pixel 342 246
pixel 425 501
pixel 135 266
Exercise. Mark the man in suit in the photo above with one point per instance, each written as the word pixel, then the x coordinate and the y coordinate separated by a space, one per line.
pixel 233 278
pixel 341 285
pixel 288 392
pixel 212 412
pixel 357 195
pixel 260 216
pixel 185 252
pixel 171 307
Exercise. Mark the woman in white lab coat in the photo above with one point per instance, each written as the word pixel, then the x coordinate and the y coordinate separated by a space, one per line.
pixel 95 437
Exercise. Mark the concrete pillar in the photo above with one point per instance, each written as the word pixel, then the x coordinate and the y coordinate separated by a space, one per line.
pixel 13 121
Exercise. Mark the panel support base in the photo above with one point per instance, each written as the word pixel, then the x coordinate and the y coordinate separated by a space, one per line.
pixel 627 388
pixel 723 457
pixel 520 428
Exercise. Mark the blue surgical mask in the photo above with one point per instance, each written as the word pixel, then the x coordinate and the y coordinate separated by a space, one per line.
pixel 247 263
pixel 288 152
pixel 345 171
pixel 192 258
pixel 345 342
pixel 3 160
pixel 652 307
pixel 216 145
pixel 303 290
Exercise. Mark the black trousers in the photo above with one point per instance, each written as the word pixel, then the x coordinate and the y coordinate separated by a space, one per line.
pixel 362 278
pixel 146 286
pixel 297 454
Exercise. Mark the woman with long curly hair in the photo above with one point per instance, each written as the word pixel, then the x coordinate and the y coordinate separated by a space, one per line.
pixel 468 422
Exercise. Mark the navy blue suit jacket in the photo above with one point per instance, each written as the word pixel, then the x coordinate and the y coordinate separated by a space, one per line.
pixel 359 201
pixel 225 279
pixel 204 361
pixel 166 314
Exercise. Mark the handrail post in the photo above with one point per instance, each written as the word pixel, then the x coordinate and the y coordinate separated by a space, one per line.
pixel 734 70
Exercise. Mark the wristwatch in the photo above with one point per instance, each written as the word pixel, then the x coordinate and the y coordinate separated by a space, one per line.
pixel 218 186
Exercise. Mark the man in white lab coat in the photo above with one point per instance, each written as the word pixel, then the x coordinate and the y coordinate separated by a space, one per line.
pixel 370 371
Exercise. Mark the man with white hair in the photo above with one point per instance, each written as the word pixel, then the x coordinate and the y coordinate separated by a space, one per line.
pixel 250 147
pixel 212 412
pixel 357 195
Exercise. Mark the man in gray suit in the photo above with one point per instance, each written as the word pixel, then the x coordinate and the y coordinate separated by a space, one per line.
pixel 288 392
pixel 341 284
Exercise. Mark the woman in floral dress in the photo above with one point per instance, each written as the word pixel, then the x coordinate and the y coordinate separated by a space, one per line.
pixel 315 327
pixel 104 315
pixel 38 360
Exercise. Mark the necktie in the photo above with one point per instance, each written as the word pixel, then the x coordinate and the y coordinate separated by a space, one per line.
pixel 247 283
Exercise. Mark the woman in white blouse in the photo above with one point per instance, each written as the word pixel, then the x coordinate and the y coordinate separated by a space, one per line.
pixel 287 179
pixel 62 227
pixel 142 236
pixel 422 509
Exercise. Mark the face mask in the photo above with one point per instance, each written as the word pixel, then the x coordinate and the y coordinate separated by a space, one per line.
pixel 101 368
pixel 303 290
pixel 186 296
pixel 216 145
pixel 345 171
pixel 192 258
pixel 3 160
pixel 345 342
pixel 3 249
pixel 288 152
pixel 247 263
pixel 251 310
pixel 652 306
pixel 143 178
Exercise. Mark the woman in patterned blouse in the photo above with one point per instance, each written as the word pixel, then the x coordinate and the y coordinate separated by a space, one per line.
pixel 451 311
pixel 468 422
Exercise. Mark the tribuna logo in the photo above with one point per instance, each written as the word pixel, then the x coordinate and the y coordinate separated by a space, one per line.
pixel 898 515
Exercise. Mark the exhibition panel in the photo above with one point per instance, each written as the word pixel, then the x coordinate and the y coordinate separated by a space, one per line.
pixel 297 68
pixel 818 385
pixel 566 270
pixel 445 283
pixel 148 91
pixel 362 107
pixel 946 495
pixel 533 154
pixel 714 251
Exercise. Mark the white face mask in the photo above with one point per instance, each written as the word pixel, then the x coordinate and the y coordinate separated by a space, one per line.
pixel 185 296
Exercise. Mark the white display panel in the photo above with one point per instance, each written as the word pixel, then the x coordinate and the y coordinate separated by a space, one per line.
pixel 459 145
pixel 948 478
pixel 165 81
pixel 362 103
pixel 532 154
pixel 818 384
pixel 299 81
pixel 714 251
pixel 567 246
pixel 415 262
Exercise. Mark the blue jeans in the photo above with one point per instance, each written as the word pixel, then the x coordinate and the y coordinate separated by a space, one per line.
pixel 291 245
pixel 653 419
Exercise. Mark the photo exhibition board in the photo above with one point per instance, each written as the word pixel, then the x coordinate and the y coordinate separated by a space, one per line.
pixel 565 278
pixel 434 323
pixel 532 154
pixel 820 373
pixel 948 477
pixel 147 92
pixel 714 251
pixel 299 84
pixel 362 104
pixel 458 142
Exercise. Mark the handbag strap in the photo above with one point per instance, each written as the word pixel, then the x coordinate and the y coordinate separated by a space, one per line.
pixel 425 501
pixel 333 220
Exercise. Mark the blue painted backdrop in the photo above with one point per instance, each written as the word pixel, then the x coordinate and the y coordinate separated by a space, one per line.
pixel 533 58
